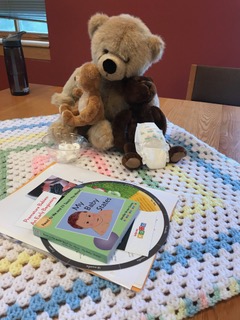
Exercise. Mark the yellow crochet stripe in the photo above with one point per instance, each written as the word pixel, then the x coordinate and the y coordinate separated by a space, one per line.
pixel 181 310
pixel 15 268
pixel 234 287
pixel 208 200
pixel 36 259
pixel 4 265
pixel 27 136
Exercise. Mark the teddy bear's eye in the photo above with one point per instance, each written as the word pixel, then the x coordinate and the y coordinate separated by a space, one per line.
pixel 105 51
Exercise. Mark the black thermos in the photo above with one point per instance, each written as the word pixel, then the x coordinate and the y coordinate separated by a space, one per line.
pixel 15 64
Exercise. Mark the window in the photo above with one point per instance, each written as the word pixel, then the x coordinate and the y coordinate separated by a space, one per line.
pixel 16 25
pixel 29 16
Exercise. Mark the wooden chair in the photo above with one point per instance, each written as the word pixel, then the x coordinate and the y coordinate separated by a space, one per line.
pixel 214 84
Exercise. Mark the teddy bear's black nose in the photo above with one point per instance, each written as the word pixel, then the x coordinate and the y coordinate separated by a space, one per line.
pixel 109 66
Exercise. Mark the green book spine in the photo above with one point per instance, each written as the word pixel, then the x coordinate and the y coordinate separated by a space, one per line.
pixel 71 245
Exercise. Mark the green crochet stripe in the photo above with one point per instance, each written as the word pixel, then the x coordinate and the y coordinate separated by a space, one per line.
pixel 148 180
pixel 3 165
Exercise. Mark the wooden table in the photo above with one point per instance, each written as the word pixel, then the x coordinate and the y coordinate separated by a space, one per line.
pixel 36 103
pixel 217 125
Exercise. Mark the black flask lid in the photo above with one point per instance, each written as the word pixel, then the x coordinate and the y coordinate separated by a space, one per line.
pixel 13 40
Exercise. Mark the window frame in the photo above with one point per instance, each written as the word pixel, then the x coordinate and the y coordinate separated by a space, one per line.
pixel 35 46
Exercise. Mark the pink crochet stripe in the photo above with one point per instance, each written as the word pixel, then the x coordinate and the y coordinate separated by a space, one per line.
pixel 100 163
pixel 39 163
pixel 203 300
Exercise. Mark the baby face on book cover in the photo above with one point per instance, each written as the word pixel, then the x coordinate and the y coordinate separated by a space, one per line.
pixel 91 213
pixel 99 222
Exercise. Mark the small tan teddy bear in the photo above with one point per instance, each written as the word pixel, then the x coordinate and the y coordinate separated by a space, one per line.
pixel 89 109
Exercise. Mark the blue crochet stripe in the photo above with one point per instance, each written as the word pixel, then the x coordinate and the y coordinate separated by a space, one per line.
pixel 28 126
pixel 197 250
pixel 60 297
pixel 191 308
pixel 217 174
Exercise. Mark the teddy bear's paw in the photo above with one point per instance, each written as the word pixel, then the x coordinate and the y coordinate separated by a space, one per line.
pixel 57 129
pixel 145 91
pixel 103 142
pixel 176 153
pixel 132 161
pixel 139 89
pixel 77 93
pixel 64 107
pixel 100 135
pixel 68 118
pixel 61 98
pixel 87 116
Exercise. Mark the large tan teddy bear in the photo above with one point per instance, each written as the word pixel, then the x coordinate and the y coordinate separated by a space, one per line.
pixel 121 47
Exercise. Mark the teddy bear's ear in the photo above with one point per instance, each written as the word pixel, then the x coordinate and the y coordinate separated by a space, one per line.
pixel 157 46
pixel 95 22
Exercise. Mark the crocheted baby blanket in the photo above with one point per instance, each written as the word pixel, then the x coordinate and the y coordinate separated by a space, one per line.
pixel 198 266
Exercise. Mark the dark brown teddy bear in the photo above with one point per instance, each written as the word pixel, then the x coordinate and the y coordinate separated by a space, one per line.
pixel 139 92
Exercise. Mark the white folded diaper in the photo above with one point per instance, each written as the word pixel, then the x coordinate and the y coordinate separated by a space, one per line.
pixel 151 145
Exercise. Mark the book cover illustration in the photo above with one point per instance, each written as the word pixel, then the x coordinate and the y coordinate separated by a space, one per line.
pixel 88 221
pixel 52 184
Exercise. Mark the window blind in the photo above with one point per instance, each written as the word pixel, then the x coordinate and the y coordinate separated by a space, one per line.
pixel 33 10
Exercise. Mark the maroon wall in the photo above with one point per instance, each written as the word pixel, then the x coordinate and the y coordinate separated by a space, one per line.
pixel 200 31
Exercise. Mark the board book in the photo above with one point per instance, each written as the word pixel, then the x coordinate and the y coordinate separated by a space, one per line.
pixel 125 269
pixel 88 221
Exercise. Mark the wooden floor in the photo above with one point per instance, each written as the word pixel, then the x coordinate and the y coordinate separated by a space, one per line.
pixel 32 106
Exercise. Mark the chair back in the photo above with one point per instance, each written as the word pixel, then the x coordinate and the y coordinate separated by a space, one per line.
pixel 214 84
